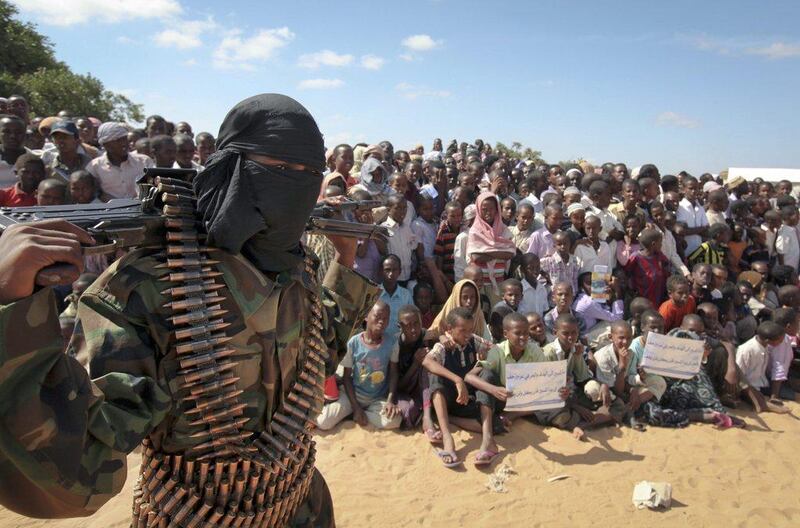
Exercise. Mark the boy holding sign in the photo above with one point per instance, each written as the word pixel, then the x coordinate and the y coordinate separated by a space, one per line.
pixel 580 381
pixel 489 379
pixel 618 367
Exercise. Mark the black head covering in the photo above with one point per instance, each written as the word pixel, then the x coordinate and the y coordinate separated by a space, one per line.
pixel 249 208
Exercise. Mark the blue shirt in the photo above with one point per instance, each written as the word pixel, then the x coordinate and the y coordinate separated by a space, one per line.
pixel 370 364
pixel 396 300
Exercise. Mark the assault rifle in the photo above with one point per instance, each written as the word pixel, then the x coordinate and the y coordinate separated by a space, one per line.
pixel 129 223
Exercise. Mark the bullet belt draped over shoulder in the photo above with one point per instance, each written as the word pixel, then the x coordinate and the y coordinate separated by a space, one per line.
pixel 232 477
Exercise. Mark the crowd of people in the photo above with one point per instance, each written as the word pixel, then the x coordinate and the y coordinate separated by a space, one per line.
pixel 491 261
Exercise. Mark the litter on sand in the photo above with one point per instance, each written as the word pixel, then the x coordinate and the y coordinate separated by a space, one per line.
pixel 558 477
pixel 652 495
pixel 497 480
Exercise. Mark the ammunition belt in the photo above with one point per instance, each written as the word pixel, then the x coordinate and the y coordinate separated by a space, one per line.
pixel 233 477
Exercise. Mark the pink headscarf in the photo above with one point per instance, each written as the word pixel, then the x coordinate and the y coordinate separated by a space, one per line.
pixel 485 238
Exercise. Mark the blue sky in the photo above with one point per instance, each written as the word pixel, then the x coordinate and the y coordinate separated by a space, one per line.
pixel 688 85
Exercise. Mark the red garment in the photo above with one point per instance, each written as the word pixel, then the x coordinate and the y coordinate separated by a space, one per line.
pixel 427 319
pixel 673 315
pixel 16 197
pixel 648 276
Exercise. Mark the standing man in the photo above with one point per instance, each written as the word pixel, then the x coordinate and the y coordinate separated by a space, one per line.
pixel 117 169
pixel 12 146
pixel 69 159
pixel 257 372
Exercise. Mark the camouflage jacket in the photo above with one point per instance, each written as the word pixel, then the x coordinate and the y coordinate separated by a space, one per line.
pixel 65 434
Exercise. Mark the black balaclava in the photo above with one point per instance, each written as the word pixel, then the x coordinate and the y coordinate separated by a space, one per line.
pixel 252 209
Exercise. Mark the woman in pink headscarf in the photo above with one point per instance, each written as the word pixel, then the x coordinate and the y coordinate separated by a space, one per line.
pixel 489 245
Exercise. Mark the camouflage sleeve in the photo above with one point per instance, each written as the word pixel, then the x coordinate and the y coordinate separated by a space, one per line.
pixel 63 439
pixel 347 297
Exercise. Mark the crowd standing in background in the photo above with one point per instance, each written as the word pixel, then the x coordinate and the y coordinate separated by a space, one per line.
pixel 489 261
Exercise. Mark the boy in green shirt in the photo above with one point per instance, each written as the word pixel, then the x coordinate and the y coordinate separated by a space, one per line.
pixel 489 379
pixel 584 389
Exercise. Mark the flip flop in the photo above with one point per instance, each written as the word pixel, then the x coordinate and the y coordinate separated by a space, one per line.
pixel 480 462
pixel 722 421
pixel 441 453
pixel 434 436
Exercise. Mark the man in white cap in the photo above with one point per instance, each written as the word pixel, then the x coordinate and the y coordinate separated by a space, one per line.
pixel 117 169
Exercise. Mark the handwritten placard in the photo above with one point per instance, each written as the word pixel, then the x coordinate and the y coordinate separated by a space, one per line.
pixel 535 386
pixel 673 357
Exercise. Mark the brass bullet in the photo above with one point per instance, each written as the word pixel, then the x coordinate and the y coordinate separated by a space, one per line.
pixel 212 326
pixel 217 415
pixel 200 359
pixel 198 391
pixel 214 340
pixel 190 375
pixel 265 437
pixel 193 499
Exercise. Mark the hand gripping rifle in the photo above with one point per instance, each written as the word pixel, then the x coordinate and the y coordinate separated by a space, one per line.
pixel 129 223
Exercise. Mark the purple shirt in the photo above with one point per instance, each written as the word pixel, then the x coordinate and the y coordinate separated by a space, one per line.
pixel 541 243
pixel 369 264
pixel 593 311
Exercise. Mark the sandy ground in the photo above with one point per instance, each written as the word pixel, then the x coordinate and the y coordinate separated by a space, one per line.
pixel 728 478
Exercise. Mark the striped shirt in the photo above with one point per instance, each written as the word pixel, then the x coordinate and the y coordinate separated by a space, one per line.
pixel 706 254
pixel 443 247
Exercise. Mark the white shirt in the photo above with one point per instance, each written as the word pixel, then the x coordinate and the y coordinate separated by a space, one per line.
pixel 426 233
pixel 786 244
pixel 533 299
pixel 670 249
pixel 692 216
pixel 403 243
pixel 608 223
pixel 8 178
pixel 588 257
pixel 460 255
pixel 196 166
pixel 752 359
pixel 770 237
pixel 534 202
pixel 119 181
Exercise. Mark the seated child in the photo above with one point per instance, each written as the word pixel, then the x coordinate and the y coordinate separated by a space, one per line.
pixel 488 377
pixel 584 390
pixel 618 365
pixel 538 332
pixel 679 303
pixel 596 313
pixel 638 306
pixel 370 377
pixel 562 300
pixel 752 358
pixel 511 289
pixel 780 356
pixel 423 299
pixel 448 363
pixel 412 387
pixel 534 286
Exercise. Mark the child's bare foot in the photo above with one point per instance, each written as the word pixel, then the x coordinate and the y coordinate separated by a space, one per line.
pixel 579 434
pixel 771 407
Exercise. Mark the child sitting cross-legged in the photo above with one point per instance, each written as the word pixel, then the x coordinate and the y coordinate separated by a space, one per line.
pixel 488 377
pixel 577 415
pixel 412 386
pixel 448 362
pixel 619 372
pixel 370 377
